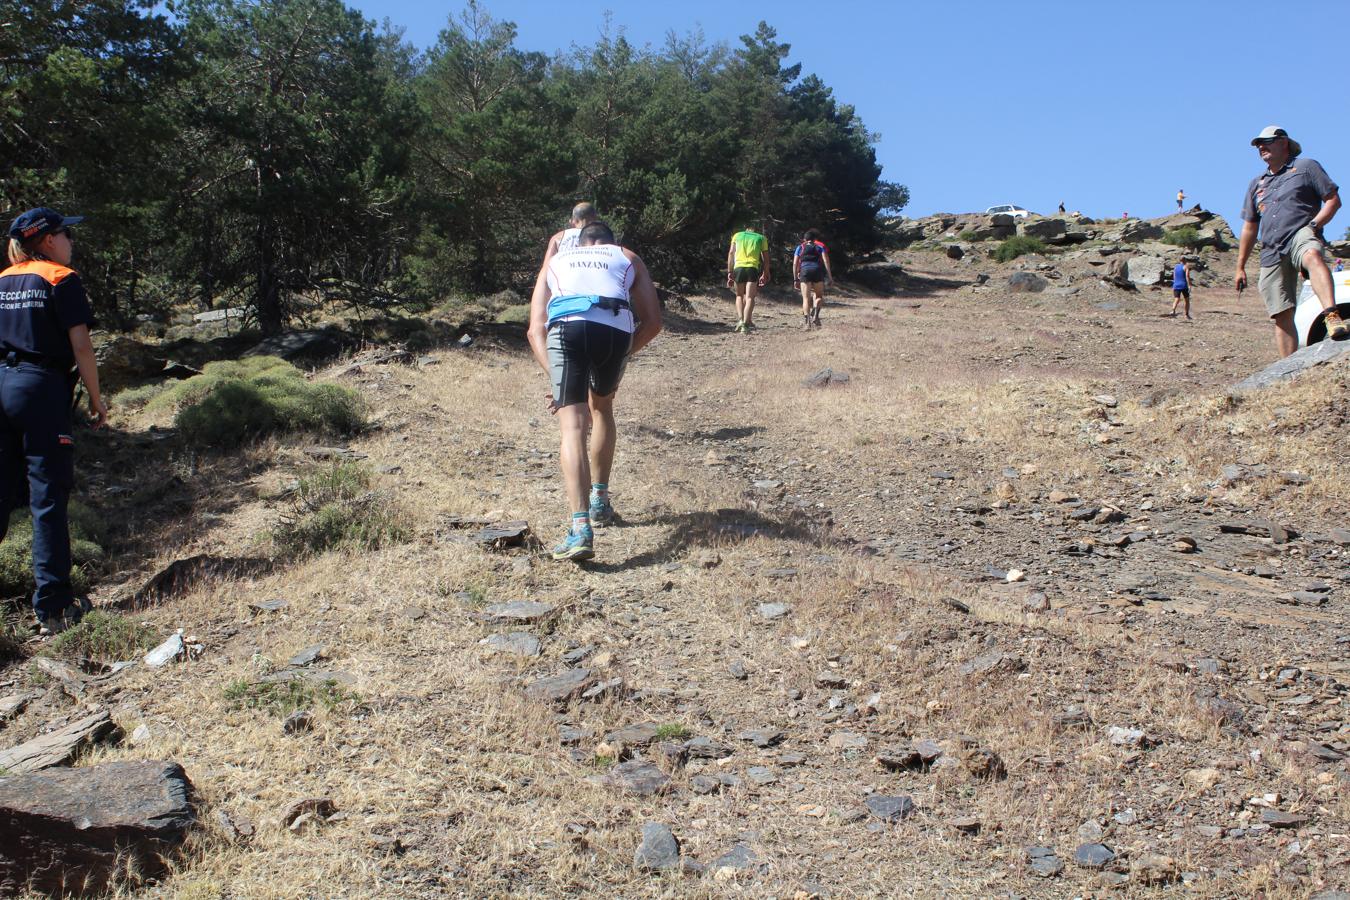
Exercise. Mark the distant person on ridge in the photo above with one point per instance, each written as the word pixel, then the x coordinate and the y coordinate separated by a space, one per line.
pixel 583 214
pixel 593 307
pixel 810 272
pixel 1181 287
pixel 1181 199
pixel 1061 207
pixel 1289 203
pixel 747 272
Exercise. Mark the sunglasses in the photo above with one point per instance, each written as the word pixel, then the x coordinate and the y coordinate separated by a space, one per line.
pixel 1261 142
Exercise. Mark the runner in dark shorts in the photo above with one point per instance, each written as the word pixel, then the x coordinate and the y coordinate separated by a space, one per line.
pixel 585 358
pixel 593 306
pixel 746 275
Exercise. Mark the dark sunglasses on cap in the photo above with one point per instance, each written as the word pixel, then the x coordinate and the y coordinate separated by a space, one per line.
pixel 1261 142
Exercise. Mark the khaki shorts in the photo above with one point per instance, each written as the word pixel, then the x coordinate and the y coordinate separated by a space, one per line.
pixel 1279 284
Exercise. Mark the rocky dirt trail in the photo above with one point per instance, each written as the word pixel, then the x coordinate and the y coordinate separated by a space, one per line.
pixel 1015 601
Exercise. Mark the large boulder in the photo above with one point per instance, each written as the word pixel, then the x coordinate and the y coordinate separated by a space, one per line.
pixel 71 830
pixel 1294 364
pixel 1134 231
pixel 1026 283
pixel 1044 229
pixel 124 361
pixel 313 346
pixel 1146 271
pixel 1179 220
pixel 1118 272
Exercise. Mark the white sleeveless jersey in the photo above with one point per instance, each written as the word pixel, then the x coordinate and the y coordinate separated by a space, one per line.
pixel 568 241
pixel 601 270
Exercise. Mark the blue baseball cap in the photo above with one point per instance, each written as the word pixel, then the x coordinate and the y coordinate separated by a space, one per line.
pixel 37 222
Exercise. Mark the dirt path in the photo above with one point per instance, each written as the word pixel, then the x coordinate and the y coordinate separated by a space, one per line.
pixel 804 650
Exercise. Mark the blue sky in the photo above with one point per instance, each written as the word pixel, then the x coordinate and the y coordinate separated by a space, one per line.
pixel 1106 107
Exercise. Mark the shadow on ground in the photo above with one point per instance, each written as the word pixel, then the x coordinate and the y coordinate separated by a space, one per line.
pixel 718 528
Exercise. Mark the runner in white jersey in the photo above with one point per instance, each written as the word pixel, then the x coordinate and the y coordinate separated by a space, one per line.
pixel 603 271
pixel 592 308
pixel 582 215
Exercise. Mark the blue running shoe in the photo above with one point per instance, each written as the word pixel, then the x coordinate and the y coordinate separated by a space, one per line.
pixel 576 546
pixel 601 512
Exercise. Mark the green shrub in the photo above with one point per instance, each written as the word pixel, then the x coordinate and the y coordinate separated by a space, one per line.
pixel 671 731
pixel 1016 246
pixel 103 637
pixel 285 697
pixel 515 315
pixel 335 508
pixel 236 400
pixel 16 552
pixel 137 397
pixel 1185 236
pixel 968 236
pixel 340 481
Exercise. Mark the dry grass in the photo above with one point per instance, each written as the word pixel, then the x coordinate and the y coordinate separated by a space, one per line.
pixel 436 744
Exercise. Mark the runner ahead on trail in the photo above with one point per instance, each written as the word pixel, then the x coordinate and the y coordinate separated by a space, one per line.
pixel 747 272
pixel 593 306
pixel 583 214
pixel 1181 287
pixel 810 271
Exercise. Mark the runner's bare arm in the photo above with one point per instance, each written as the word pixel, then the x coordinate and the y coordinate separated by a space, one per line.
pixel 646 305
pixel 829 273
pixel 538 330
pixel 1246 241
pixel 1331 204
pixel 731 261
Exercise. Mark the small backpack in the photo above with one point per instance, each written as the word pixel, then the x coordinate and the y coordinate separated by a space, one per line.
pixel 810 253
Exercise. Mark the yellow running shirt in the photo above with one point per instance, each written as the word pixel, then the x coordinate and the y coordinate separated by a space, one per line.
pixel 750 249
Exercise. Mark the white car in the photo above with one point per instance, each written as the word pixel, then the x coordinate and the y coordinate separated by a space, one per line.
pixel 1308 313
pixel 1008 209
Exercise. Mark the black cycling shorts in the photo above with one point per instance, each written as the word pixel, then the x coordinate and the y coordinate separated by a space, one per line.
pixel 586 357
pixel 812 274
pixel 747 274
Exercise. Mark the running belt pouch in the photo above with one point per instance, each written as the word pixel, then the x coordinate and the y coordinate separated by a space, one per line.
pixel 570 306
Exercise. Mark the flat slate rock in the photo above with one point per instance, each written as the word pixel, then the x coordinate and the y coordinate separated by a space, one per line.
pixel 763 737
pixel 706 748
pixel 517 643
pixel 14 704
pixel 740 857
pixel 57 747
pixel 504 534
pixel 890 809
pixel 1299 361
pixel 639 735
pixel 1276 818
pixel 307 656
pixel 636 777
pixel 761 775
pixel 771 611
pixel 992 661
pixel 1043 862
pixel 1093 856
pixel 826 377
pixel 560 688
pixel 81 826
pixel 519 612
pixel 660 849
